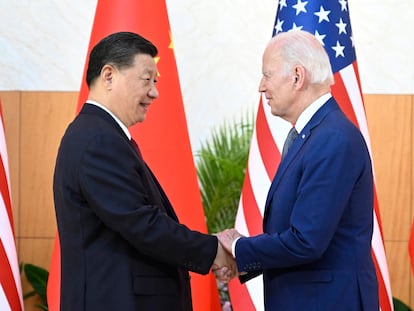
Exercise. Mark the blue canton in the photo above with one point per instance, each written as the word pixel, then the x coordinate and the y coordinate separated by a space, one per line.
pixel 327 20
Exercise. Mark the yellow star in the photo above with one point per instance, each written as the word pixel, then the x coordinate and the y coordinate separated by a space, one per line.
pixel 157 59
pixel 171 46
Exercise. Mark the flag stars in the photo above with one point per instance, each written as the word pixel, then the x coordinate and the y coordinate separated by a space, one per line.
pixel 341 26
pixel 300 7
pixel 322 14
pixel 339 49
pixel 320 37
pixel 295 27
pixel 344 5
pixel 278 26
pixel 325 20
pixel 282 4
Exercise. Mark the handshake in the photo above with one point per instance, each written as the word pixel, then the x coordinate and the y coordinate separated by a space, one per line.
pixel 224 266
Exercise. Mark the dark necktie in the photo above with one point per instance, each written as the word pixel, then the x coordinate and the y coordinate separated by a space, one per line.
pixel 289 141
pixel 134 143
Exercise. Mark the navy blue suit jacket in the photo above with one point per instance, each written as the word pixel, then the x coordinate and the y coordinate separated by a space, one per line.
pixel 315 253
pixel 122 247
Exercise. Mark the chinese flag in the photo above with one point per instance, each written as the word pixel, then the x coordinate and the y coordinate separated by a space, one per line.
pixel 411 247
pixel 162 137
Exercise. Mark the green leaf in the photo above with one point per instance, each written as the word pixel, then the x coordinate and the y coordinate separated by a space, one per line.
pixel 43 307
pixel 29 294
pixel 399 305
pixel 221 164
pixel 37 277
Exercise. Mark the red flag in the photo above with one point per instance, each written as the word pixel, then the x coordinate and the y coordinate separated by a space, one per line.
pixel 10 287
pixel 411 247
pixel 329 22
pixel 164 132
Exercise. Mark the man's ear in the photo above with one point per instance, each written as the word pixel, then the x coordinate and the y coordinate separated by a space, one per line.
pixel 298 76
pixel 107 74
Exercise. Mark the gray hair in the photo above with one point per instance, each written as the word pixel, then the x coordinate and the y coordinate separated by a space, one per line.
pixel 299 47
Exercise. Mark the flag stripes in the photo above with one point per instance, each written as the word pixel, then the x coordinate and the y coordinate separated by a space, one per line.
pixel 8 282
pixel 267 146
pixel 250 209
pixel 11 297
pixel 383 288
pixel 347 85
pixel 264 157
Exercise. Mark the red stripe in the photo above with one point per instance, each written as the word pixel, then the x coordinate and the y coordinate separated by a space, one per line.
pixel 4 189
pixel 7 281
pixel 250 209
pixel 340 93
pixel 385 303
pixel 267 147
pixel 240 297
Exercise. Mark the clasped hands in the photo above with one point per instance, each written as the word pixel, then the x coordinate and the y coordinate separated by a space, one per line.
pixel 224 266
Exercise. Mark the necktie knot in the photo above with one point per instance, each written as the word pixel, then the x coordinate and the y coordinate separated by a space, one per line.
pixel 289 141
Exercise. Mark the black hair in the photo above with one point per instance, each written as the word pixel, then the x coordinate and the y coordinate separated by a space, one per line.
pixel 118 49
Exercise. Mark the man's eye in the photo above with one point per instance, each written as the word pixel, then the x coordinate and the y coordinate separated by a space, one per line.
pixel 148 81
pixel 145 80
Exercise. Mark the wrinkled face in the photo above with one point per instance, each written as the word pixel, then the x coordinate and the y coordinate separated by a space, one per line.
pixel 276 85
pixel 134 89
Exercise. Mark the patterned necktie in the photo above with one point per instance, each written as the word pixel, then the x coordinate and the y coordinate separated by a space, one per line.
pixel 289 141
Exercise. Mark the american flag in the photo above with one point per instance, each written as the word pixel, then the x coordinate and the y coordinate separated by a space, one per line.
pixel 329 21
pixel 10 287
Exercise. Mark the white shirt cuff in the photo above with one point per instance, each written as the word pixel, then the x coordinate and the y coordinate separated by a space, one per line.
pixel 233 246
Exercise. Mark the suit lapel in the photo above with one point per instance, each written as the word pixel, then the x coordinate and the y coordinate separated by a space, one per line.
pixel 299 142
pixel 157 192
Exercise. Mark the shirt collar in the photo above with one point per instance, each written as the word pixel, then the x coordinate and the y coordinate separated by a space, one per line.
pixel 308 113
pixel 122 125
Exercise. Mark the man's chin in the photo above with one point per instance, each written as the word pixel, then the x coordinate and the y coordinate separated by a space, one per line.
pixel 142 117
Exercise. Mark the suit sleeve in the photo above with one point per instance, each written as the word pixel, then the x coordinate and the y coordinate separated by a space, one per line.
pixel 324 179
pixel 115 187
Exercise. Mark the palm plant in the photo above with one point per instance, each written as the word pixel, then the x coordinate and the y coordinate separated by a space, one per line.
pixel 221 164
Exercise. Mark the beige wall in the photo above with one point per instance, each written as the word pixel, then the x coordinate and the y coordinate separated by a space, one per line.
pixel 35 121
pixel 34 124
